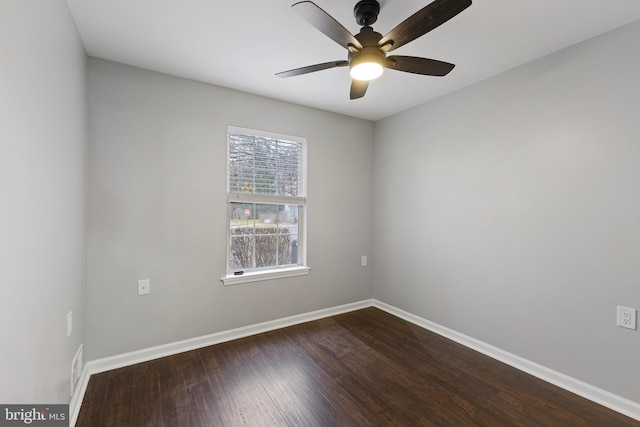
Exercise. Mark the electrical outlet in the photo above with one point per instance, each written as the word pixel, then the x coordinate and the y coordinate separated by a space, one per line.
pixel 627 317
pixel 363 261
pixel 144 287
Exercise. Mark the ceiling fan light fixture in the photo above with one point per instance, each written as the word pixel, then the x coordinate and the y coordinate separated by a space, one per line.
pixel 367 50
pixel 366 66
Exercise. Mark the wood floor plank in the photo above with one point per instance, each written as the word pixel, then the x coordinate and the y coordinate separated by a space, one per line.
pixel 174 400
pixel 248 406
pixel 304 404
pixel 169 367
pixel 94 398
pixel 225 364
pixel 285 361
pixel 363 368
pixel 373 402
pixel 191 367
pixel 240 397
pixel 146 408
pixel 116 409
pixel 202 403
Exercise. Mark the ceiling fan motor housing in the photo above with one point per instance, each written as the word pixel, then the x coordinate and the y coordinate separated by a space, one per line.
pixel 370 52
pixel 366 12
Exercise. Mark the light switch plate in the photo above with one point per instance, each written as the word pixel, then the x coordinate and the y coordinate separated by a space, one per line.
pixel 69 323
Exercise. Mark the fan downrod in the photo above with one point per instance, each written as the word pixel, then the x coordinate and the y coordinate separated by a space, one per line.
pixel 366 12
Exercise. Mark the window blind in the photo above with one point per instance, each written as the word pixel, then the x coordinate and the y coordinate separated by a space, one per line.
pixel 265 165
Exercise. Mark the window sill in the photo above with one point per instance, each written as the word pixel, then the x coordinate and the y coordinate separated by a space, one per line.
pixel 257 276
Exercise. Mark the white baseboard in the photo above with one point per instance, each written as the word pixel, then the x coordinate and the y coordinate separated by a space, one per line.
pixel 78 395
pixel 602 397
pixel 144 355
pixel 595 394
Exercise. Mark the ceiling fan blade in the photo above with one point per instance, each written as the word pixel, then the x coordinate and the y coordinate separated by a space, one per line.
pixel 358 88
pixel 424 66
pixel 312 68
pixel 423 21
pixel 326 24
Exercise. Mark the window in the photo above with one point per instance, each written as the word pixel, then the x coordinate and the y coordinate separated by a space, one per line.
pixel 266 194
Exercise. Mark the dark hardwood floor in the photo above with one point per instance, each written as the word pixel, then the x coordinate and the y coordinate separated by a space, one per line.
pixel 364 368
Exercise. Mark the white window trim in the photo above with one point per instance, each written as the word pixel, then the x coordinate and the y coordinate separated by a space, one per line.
pixel 257 276
pixel 260 198
pixel 274 272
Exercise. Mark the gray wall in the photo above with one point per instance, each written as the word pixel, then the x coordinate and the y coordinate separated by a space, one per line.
pixel 157 209
pixel 510 211
pixel 42 186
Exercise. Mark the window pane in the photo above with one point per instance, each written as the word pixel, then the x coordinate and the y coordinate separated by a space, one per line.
pixel 284 249
pixel 288 219
pixel 241 252
pixel 266 250
pixel 288 244
pixel 263 235
pixel 242 215
pixel 267 235
pixel 261 165
pixel 241 230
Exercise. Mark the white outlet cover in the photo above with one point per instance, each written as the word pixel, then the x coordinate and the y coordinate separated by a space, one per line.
pixel 144 287
pixel 626 317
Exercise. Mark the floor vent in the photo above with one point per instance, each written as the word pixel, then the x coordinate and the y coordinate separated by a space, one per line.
pixel 76 369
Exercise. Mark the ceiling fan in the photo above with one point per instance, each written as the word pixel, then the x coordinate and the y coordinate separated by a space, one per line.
pixel 368 49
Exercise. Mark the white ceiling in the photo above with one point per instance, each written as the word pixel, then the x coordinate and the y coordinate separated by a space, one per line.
pixel 241 44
